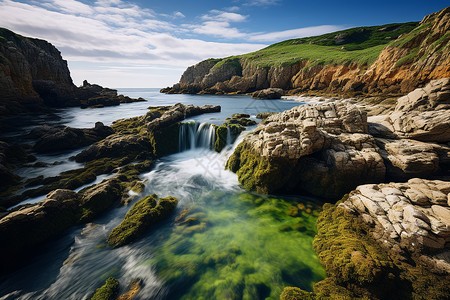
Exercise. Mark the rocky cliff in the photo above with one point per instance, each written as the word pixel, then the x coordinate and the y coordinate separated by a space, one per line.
pixel 388 59
pixel 33 76
pixel 32 73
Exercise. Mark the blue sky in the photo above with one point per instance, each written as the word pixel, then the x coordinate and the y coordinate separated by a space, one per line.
pixel 120 43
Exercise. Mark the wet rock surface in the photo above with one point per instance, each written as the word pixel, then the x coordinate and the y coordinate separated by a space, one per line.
pixel 54 139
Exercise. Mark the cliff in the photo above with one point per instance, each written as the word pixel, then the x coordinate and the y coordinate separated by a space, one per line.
pixel 387 59
pixel 34 76
pixel 32 73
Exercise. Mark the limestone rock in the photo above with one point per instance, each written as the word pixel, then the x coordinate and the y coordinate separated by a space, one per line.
pixel 322 148
pixel 177 113
pixel 423 114
pixel 418 215
pixel 405 158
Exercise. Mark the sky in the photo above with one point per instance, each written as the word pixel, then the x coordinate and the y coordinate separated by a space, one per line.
pixel 120 44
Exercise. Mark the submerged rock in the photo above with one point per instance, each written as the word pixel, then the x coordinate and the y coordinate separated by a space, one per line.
pixel 142 215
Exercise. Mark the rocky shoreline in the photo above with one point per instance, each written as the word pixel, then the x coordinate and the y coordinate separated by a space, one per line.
pixel 388 235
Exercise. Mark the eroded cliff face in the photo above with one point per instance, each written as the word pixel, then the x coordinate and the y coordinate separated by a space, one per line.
pixel 408 62
pixel 32 73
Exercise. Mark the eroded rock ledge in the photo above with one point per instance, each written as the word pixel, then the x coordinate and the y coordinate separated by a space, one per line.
pixel 324 149
pixel 328 149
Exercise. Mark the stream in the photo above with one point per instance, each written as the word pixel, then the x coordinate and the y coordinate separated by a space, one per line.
pixel 220 243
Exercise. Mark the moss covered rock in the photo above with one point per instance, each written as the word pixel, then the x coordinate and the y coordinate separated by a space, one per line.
pixel 108 291
pixel 359 268
pixel 222 132
pixel 144 213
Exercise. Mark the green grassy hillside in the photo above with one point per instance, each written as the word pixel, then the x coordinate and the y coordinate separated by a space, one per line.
pixel 360 44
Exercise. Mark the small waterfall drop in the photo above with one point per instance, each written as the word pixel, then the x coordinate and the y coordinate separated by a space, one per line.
pixel 229 139
pixel 193 135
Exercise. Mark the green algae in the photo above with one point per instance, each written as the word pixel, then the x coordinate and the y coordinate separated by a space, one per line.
pixel 231 248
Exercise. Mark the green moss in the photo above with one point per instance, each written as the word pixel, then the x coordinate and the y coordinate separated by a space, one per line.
pixel 140 218
pixel 359 268
pixel 108 291
pixel 221 138
pixel 222 135
pixel 128 126
pixel 256 172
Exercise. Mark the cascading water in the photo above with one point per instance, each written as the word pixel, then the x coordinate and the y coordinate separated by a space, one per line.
pixel 221 242
pixel 193 135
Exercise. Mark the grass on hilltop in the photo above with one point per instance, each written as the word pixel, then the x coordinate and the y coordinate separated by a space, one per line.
pixel 361 45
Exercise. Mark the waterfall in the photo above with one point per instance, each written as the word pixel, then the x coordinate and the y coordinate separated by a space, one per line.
pixel 229 139
pixel 193 135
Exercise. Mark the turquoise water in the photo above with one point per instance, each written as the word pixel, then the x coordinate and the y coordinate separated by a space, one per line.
pixel 221 243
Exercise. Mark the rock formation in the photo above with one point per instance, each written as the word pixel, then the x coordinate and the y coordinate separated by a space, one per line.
pixel 323 149
pixel 404 64
pixel 421 115
pixel 327 149
pixel 385 241
pixel 33 76
pixel 32 72
pixel 32 225
pixel 59 138
pixel 142 215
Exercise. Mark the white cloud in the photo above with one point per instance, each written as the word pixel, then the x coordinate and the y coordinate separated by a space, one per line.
pixel 294 33
pixel 115 32
pixel 178 14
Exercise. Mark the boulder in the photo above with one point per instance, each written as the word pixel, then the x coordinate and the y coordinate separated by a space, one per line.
pixel 144 213
pixel 100 197
pixel 324 149
pixel 421 115
pixel 406 158
pixel 177 113
pixel 412 216
pixel 117 145
pixel 24 229
pixel 270 93
pixel 59 138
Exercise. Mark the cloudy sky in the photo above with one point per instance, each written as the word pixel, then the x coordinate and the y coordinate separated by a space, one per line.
pixel 120 43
